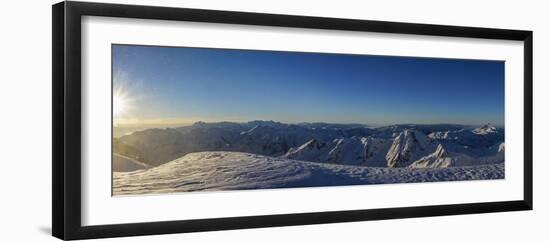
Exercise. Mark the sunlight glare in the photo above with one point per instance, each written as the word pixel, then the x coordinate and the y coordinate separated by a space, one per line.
pixel 121 103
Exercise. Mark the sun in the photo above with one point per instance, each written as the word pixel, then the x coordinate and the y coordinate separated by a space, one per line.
pixel 119 104
pixel 122 103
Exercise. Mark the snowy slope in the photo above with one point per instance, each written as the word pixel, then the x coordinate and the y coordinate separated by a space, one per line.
pixel 126 164
pixel 313 150
pixel 238 171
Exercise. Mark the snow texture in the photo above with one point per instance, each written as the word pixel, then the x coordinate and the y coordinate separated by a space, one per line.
pixel 221 170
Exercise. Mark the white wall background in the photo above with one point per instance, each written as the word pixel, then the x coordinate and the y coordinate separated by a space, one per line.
pixel 25 122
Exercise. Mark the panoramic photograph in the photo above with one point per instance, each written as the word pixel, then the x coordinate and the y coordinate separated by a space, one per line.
pixel 188 119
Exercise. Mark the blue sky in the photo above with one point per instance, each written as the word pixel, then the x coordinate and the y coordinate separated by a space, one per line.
pixel 191 84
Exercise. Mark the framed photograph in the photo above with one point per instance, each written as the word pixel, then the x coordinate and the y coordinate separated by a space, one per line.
pixel 170 120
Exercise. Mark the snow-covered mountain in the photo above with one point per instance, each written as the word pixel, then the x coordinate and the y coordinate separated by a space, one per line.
pixel 417 146
pixel 485 130
pixel 364 151
pixel 239 171
pixel 439 158
pixel 408 146
pixel 484 136
pixel 261 137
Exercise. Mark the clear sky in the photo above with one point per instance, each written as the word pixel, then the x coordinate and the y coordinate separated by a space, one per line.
pixel 182 85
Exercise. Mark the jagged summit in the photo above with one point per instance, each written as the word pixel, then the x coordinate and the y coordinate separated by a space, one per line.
pixel 439 158
pixel 440 152
pixel 409 145
pixel 485 129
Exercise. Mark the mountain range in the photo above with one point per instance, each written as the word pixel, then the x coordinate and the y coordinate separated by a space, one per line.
pixel 394 146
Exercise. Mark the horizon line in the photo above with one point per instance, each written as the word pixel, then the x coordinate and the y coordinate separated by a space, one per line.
pixel 176 122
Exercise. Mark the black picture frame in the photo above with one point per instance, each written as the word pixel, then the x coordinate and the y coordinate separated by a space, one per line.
pixel 66 127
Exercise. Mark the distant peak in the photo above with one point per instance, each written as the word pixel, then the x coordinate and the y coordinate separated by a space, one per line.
pixel 264 122
pixel 485 129
pixel 268 123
